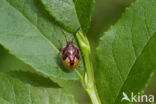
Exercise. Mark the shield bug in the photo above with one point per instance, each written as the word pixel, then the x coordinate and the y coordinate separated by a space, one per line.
pixel 70 54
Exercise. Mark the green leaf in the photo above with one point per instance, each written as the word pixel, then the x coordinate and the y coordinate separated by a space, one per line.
pixel 68 16
pixel 84 9
pixel 64 13
pixel 25 88
pixel 126 53
pixel 11 63
pixel 32 36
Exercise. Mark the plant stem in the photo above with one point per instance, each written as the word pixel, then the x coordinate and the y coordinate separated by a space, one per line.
pixel 88 81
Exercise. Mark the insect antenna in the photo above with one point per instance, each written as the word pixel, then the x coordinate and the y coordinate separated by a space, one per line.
pixel 64 36
pixel 74 35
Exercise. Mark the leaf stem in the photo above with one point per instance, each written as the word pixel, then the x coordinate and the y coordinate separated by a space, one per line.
pixel 88 81
pixel 79 74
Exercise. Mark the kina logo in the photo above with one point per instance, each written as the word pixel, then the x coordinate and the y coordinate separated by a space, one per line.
pixel 137 98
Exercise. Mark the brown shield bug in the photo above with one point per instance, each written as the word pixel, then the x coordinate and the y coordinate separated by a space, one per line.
pixel 70 54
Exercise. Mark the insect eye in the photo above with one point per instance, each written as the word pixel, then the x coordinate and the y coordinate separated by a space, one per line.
pixel 65 56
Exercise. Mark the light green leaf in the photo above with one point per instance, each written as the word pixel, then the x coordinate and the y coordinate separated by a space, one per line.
pixel 29 34
pixel 126 53
pixel 84 9
pixel 64 13
pixel 27 88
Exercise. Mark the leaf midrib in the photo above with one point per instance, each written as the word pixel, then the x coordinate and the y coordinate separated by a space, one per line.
pixel 133 65
pixel 33 25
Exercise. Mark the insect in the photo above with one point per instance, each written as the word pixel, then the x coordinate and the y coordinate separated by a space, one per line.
pixel 70 54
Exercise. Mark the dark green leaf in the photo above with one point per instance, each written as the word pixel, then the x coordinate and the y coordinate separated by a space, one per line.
pixel 27 88
pixel 64 13
pixel 11 63
pixel 84 9
pixel 126 53
pixel 29 34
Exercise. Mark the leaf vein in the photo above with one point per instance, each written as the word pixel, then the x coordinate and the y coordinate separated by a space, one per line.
pixel 133 66
pixel 29 94
pixel 26 18
pixel 13 90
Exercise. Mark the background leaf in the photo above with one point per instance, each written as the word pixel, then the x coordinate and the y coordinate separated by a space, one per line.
pixel 84 9
pixel 126 53
pixel 64 13
pixel 25 87
pixel 29 34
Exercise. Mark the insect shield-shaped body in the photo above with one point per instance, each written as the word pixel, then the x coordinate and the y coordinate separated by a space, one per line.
pixel 70 56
